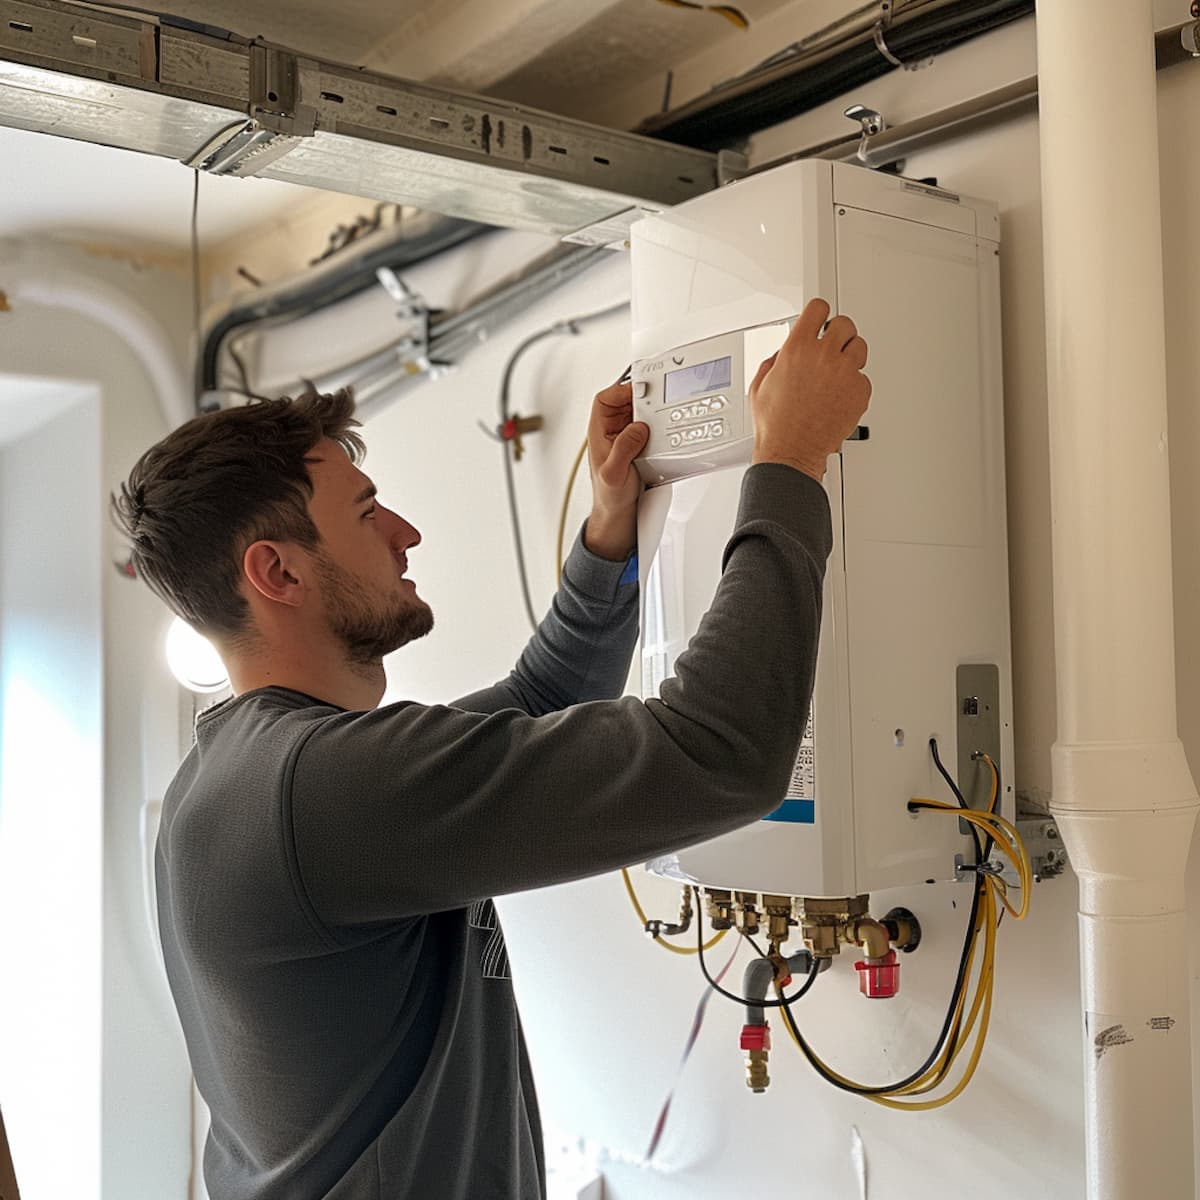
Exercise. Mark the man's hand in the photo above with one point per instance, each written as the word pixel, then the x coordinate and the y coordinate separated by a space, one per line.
pixel 614 440
pixel 808 398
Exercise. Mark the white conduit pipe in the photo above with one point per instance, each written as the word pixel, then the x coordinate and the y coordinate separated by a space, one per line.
pixel 1123 795
pixel 39 276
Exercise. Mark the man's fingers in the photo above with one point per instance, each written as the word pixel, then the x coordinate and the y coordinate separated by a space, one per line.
pixel 856 352
pixel 761 373
pixel 626 446
pixel 810 321
pixel 616 395
pixel 840 332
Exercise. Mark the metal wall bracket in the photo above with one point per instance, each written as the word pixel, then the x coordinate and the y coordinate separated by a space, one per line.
pixel 277 80
pixel 1047 854
pixel 411 350
pixel 872 124
pixel 977 691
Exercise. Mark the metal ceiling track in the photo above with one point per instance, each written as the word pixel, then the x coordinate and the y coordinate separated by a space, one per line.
pixel 237 107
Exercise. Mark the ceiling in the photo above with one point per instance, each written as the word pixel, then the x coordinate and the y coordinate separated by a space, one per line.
pixel 572 57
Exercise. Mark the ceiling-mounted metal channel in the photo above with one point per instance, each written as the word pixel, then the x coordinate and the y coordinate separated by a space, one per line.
pixel 249 109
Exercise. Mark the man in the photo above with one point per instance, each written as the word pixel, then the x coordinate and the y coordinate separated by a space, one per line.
pixel 325 867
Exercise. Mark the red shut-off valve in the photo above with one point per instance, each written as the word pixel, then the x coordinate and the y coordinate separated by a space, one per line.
pixel 879 978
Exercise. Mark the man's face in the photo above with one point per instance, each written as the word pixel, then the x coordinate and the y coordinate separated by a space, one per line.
pixel 361 563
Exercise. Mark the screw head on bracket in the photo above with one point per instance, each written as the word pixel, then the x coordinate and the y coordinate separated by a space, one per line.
pixel 871 121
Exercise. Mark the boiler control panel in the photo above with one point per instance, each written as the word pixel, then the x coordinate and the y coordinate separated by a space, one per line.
pixel 695 398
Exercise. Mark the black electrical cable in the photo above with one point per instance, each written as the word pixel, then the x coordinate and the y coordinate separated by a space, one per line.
pixel 325 286
pixel 735 111
pixel 243 374
pixel 947 1025
pixel 980 852
pixel 809 979
pixel 937 762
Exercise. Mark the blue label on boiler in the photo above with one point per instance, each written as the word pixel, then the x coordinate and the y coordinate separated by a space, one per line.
pixel 800 812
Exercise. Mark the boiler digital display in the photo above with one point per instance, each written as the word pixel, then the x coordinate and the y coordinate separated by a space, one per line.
pixel 695 381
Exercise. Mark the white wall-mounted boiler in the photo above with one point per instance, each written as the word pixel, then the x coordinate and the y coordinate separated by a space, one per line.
pixel 915 634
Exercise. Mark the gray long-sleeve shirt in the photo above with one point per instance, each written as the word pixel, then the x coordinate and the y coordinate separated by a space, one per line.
pixel 324 876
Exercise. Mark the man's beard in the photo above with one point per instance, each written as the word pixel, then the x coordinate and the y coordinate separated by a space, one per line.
pixel 368 629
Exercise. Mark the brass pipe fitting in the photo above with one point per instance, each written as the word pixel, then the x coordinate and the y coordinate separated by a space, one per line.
pixel 719 904
pixel 870 935
pixel 745 911
pixel 823 921
pixel 756 1041
pixel 779 917
pixel 758 1078
pixel 664 928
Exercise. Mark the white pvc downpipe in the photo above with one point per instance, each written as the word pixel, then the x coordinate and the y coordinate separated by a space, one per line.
pixel 1123 795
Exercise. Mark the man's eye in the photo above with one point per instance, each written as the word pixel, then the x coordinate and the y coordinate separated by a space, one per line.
pixel 370 511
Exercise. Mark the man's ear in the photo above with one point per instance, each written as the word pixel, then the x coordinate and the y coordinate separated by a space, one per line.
pixel 272 569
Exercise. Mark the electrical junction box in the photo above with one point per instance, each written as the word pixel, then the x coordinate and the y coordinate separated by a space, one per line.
pixel 915 633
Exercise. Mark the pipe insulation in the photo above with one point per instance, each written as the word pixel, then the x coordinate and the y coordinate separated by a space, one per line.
pixel 1124 798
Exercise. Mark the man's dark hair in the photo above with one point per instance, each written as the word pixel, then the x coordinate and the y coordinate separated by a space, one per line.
pixel 219 483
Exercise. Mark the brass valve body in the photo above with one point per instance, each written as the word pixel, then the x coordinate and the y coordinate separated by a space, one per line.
pixel 757 1077
pixel 823 921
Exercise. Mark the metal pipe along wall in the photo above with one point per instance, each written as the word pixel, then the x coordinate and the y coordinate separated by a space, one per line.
pixel 1123 795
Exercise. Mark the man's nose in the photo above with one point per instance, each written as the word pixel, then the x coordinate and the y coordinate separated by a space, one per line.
pixel 403 534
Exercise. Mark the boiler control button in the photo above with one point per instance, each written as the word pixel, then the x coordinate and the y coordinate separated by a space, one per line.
pixel 640 389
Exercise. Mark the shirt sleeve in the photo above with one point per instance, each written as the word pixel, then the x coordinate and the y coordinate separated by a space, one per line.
pixel 414 809
pixel 582 648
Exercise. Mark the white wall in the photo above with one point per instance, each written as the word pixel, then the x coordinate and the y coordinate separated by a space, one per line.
pixel 72 317
pixel 51 828
pixel 607 1013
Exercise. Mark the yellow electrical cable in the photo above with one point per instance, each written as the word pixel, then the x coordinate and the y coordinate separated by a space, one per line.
pixel 562 513
pixel 995 796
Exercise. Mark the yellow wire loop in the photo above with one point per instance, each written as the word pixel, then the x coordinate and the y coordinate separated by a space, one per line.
pixel 641 912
